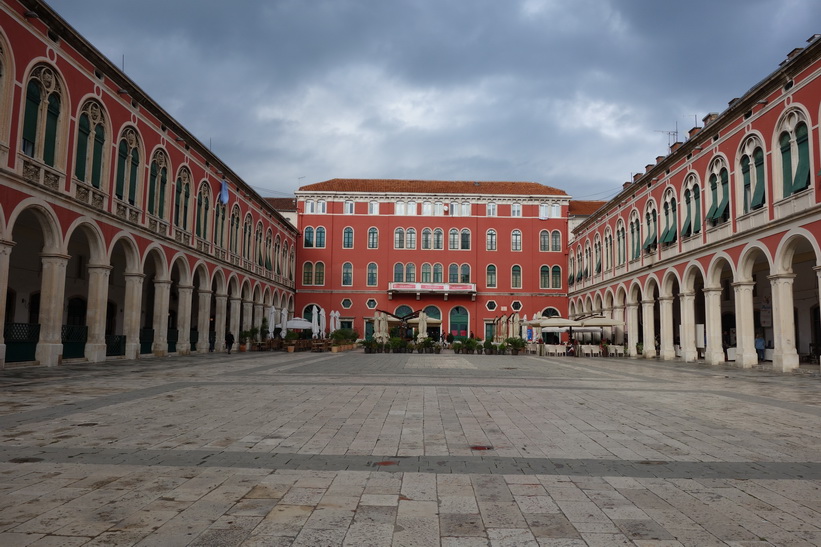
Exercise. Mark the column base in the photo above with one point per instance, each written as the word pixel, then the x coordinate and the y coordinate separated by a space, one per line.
pixel 785 362
pixel 649 353
pixel 95 353
pixel 132 351
pixel 202 347
pixel 746 360
pixel 689 355
pixel 715 357
pixel 183 348
pixel 668 354
pixel 49 355
pixel 159 349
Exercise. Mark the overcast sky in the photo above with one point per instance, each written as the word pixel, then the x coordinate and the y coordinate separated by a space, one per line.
pixel 576 94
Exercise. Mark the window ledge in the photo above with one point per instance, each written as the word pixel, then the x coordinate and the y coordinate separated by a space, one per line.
pixel 753 219
pixel 88 194
pixel 795 203
pixel 39 173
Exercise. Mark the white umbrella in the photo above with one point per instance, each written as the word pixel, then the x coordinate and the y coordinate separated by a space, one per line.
pixel 272 314
pixel 559 322
pixel 298 323
pixel 322 322
pixel 601 322
pixel 524 327
pixel 315 322
pixel 423 326
pixel 517 328
pixel 283 322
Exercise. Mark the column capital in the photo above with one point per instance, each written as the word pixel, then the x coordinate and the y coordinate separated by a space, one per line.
pixel 631 305
pixel 739 285
pixel 100 267
pixel 134 275
pixel 185 287
pixel 711 290
pixel 6 246
pixel 54 257
pixel 222 295
pixel 163 282
pixel 789 277
pixel 649 301
pixel 690 294
pixel 204 291
pixel 666 298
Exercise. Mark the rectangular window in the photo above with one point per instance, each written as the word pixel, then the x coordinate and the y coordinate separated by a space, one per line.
pixel 544 211
pixel 411 208
pixel 349 207
pixel 453 209
pixel 427 208
pixel 399 209
pixel 439 209
pixel 465 209
pixel 373 208
pixel 322 207
pixel 310 207
pixel 516 209
pixel 490 210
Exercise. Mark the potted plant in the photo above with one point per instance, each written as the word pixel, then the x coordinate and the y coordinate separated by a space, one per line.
pixel 639 348
pixel 470 345
pixel 502 348
pixel 457 347
pixel 369 345
pixel 252 336
pixel 290 339
pixel 515 344
pixel 437 348
pixel 488 347
pixel 243 340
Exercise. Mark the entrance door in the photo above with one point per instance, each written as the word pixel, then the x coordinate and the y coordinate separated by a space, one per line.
pixel 459 323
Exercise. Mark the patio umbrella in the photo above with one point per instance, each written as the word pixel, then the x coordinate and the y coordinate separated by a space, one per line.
pixel 559 322
pixel 283 322
pixel 423 325
pixel 298 323
pixel 323 322
pixel 517 325
pixel 315 322
pixel 524 327
pixel 601 322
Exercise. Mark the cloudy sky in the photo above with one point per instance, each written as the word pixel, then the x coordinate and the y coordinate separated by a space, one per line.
pixel 576 94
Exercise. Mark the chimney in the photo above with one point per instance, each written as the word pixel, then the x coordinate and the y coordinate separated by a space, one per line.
pixel 659 158
pixel 791 55
pixel 648 167
pixel 731 102
pixel 675 146
pixel 709 118
pixel 637 177
pixel 626 185
pixel 693 132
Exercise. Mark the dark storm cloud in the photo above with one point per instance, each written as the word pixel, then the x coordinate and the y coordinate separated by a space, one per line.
pixel 571 94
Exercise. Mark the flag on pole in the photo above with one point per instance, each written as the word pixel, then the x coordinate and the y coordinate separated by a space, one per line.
pixel 224 192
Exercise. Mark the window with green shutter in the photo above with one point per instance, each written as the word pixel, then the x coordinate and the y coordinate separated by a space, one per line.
pixel 758 198
pixel 80 159
pixel 802 171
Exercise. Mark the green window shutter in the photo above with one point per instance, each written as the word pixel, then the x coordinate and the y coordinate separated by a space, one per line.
pixel 786 164
pixel 132 181
pixel 187 195
pixel 711 212
pixel 198 220
pixel 83 133
pixel 745 175
pixel 802 172
pixel 152 187
pixel 758 194
pixel 30 121
pixel 177 202
pixel 163 183
pixel 673 235
pixel 722 212
pixel 122 160
pixel 97 156
pixel 598 266
pixel 696 209
pixel 52 122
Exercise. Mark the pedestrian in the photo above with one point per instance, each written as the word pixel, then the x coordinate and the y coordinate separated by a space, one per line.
pixel 759 347
pixel 229 340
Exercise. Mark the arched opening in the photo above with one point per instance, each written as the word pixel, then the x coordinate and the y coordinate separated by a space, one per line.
pixel 458 322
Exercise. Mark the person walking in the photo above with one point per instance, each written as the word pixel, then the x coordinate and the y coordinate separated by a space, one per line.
pixel 229 341
pixel 759 347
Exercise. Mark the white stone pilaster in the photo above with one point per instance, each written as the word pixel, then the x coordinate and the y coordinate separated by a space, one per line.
pixel 712 309
pixel 5 260
pixel 98 278
pixel 132 310
pixel 219 321
pixel 745 354
pixel 52 299
pixel 648 318
pixel 785 356
pixel 185 294
pixel 632 328
pixel 162 293
pixel 236 305
pixel 667 348
pixel 689 352
pixel 203 320
pixel 618 331
pixel 247 315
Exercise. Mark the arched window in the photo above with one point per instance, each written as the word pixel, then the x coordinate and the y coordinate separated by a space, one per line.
pixel 320 237
pixel 258 239
pixel 438 273
pixel 347 274
pixel 426 273
pixel 753 191
pixel 347 238
pixel 464 273
pixel 490 240
pixel 219 224
pixel 556 241
pixel 308 237
pixel 516 240
pixel 319 273
pixel 128 167
pixel 719 181
pixel 42 118
pixel 235 222
pixel 621 245
pixel 465 237
pixel 490 276
pixel 373 238
pixel 410 239
pixel 399 238
pixel 277 258
pixel 308 273
pixel 651 223
pixel 793 141
pixel 372 274
pixel 183 196
pixel 427 242
pixel 556 282
pixel 544 241
pixel 453 239
pixel 246 238
pixel 453 273
pixel 544 277
pixel 203 208
pixel 157 184
pixel 670 232
pixel 269 265
pixel 516 277
pixel 438 239
pixel 398 272
pixel 410 272
pixel 88 162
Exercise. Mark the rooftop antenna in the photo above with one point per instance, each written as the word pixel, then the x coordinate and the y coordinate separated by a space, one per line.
pixel 672 136
pixel 122 65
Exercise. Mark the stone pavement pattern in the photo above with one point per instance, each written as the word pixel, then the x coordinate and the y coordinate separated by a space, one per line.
pixel 274 449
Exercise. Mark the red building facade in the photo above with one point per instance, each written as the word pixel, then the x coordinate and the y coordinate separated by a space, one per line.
pixel 468 253
pixel 120 233
pixel 716 245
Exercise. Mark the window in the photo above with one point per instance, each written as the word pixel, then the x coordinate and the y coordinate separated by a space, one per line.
pixel 752 175
pixel 399 208
pixel 795 156
pixel 516 209
pixel 651 221
pixel 246 238
pixel 371 303
pixel 516 240
pixel 399 238
pixel 453 273
pixel 426 273
pixel 516 305
pixel 438 209
pixel 635 237
pixel 465 209
pixel 319 273
pixel 320 238
pixel 692 207
pixel 719 181
pixel 373 208
pixel 438 239
pixel 308 273
pixel 453 239
pixel 321 207
pixel 347 274
pixel 348 208
pixel 347 238
pixel 410 238
pixel 347 303
pixel 42 118
pixel 490 305
pixel 234 235
pixel 398 272
pixel 373 238
pixel 128 166
pixel 258 238
pixel 490 276
pixel 411 208
pixel 372 270
pixel 556 282
pixel 308 237
pixel 310 207
pixel 490 209
pixel 544 211
pixel 410 273
pixel 465 237
pixel 88 162
pixel 544 277
pixel 453 209
pixel 490 240
pixel 157 182
pixel 557 210
pixel 427 208
pixel 516 277
pixel 219 224
pixel 464 273
pixel 556 241
pixel 438 273
pixel 269 266
pixel 203 207
pixel 544 241
pixel 426 238
pixel 670 232
pixel 182 197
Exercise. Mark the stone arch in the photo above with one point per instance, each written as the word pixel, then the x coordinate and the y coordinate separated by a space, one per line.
pixel 233 285
pixel 245 290
pixel 668 282
pixel 717 264
pixel 693 271
pixel 199 274
pixel 95 238
pixel 609 298
pixel 634 293
pixel 748 258
pixel 47 220
pixel 218 281
pixel 155 253
pixel 131 251
pixel 598 307
pixel 785 253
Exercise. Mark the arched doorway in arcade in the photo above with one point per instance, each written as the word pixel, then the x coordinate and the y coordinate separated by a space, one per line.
pixel 434 322
pixel 458 323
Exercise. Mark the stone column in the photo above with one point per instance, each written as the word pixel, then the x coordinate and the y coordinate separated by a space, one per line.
pixel 668 350
pixel 714 353
pixel 52 299
pixel 607 332
pixel 203 320
pixel 785 356
pixel 648 316
pixel 618 331
pixel 5 258
pixel 632 328
pixel 162 293
pixel 745 354
pixel 219 322
pixel 689 352
pixel 185 294
pixel 258 319
pixel 247 315
pixel 132 308
pixel 236 304
pixel 98 279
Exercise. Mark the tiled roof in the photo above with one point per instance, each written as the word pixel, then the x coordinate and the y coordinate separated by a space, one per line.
pixel 282 204
pixel 584 208
pixel 376 186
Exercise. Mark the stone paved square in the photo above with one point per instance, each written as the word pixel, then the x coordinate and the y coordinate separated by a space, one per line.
pixel 357 449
